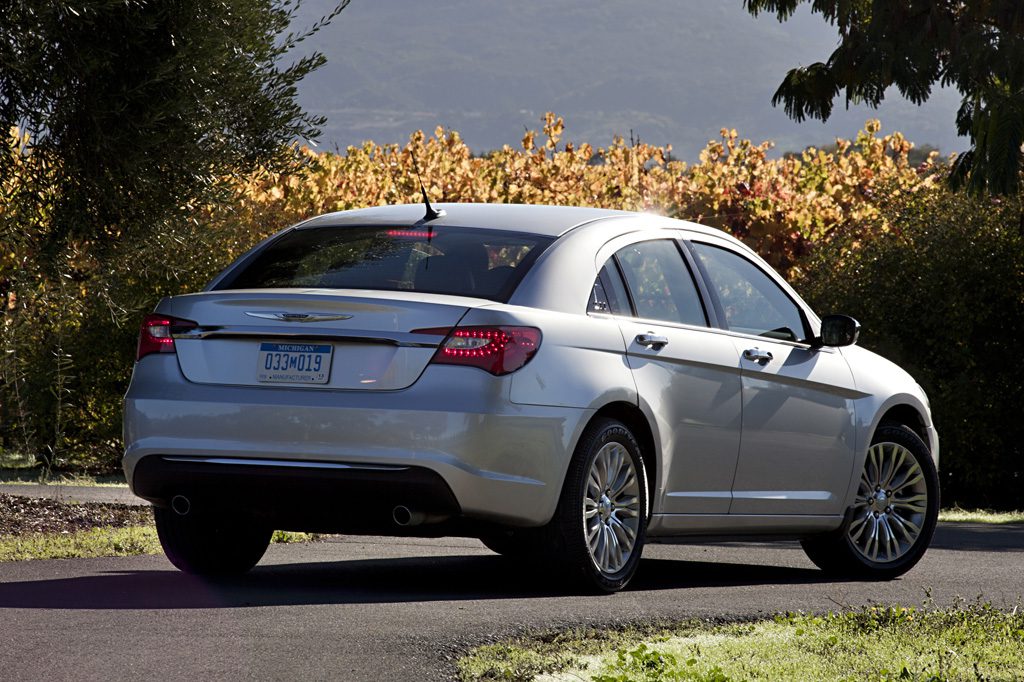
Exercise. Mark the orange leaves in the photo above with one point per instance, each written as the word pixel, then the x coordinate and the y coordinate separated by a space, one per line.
pixel 785 207
pixel 782 206
pixel 553 128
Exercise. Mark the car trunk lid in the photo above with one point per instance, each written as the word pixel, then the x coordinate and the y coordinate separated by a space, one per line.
pixel 316 339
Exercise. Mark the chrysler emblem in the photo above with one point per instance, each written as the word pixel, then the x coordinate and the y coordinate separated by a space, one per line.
pixel 297 317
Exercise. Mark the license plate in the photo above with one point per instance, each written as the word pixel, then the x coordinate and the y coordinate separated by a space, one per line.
pixel 294 363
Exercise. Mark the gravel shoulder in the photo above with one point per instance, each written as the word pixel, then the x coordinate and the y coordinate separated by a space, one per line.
pixel 21 515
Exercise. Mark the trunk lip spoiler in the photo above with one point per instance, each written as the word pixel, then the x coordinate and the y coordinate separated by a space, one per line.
pixel 401 339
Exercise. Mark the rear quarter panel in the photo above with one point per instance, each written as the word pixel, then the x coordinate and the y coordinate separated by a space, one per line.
pixel 580 365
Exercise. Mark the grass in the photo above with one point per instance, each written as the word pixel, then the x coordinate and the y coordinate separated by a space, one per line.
pixel 95 542
pixel 975 642
pixel 288 537
pixel 10 459
pixel 20 467
pixel 957 515
pixel 101 542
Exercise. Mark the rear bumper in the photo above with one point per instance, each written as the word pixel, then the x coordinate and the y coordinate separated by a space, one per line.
pixel 501 462
pixel 311 496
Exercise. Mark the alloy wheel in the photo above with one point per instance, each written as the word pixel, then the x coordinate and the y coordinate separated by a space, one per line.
pixel 891 505
pixel 611 508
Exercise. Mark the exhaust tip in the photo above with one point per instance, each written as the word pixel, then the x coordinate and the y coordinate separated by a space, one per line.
pixel 402 515
pixel 181 505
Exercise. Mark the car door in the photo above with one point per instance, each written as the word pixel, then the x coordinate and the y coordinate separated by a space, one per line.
pixel 798 443
pixel 687 376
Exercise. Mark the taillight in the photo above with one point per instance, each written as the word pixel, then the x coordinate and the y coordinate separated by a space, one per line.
pixel 498 350
pixel 155 336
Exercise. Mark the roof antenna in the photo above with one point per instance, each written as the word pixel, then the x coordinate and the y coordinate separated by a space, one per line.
pixel 431 214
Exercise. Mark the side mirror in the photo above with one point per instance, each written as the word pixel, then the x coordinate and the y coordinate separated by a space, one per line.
pixel 839 330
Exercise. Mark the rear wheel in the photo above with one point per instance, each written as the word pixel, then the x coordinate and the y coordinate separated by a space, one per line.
pixel 601 521
pixel 892 520
pixel 210 546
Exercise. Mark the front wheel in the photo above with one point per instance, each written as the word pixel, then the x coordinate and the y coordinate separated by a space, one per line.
pixel 210 546
pixel 601 520
pixel 893 517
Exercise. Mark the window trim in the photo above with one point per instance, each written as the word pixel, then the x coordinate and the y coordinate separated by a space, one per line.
pixel 625 285
pixel 712 308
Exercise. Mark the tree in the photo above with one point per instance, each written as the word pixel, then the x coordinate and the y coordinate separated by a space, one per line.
pixel 131 110
pixel 976 46
pixel 123 123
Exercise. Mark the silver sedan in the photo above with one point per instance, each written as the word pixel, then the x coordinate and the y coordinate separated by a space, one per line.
pixel 562 383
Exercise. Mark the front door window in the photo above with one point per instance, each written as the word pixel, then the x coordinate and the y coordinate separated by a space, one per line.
pixel 752 302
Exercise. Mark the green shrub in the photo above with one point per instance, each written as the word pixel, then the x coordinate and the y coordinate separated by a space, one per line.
pixel 942 295
pixel 69 342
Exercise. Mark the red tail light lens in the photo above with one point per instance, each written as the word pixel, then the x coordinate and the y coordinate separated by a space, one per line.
pixel 498 350
pixel 155 336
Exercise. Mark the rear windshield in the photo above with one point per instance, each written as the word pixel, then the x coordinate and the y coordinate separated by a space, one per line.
pixel 446 260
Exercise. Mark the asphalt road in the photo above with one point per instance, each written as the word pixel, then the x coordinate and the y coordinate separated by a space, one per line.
pixel 388 609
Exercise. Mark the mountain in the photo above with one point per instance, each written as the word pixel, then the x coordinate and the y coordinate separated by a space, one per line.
pixel 669 71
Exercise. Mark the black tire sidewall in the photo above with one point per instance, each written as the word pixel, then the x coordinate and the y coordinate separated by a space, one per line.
pixel 569 517
pixel 210 546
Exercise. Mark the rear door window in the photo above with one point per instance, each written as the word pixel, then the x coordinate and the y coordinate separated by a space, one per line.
pixel 660 283
pixel 449 260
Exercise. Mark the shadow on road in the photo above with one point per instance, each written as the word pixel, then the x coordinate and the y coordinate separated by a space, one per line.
pixel 451 578
pixel 408 579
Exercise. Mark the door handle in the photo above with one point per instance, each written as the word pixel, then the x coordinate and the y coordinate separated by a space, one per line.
pixel 652 340
pixel 758 355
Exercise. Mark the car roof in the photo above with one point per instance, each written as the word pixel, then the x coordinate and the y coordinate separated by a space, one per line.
pixel 549 221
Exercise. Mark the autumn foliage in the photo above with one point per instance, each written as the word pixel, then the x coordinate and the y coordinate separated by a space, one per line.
pixel 782 207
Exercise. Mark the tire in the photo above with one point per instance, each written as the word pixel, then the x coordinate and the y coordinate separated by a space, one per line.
pixel 598 531
pixel 890 525
pixel 209 546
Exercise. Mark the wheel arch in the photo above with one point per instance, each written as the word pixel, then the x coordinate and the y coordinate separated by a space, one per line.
pixel 907 415
pixel 899 410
